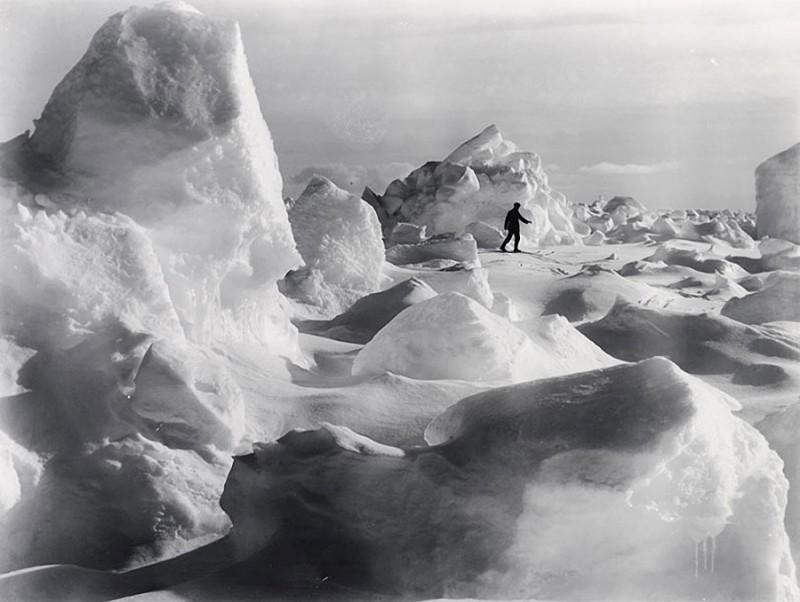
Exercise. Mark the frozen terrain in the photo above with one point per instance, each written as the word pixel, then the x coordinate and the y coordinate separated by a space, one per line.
pixel 209 393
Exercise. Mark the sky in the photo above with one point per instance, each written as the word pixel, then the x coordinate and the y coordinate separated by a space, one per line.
pixel 672 102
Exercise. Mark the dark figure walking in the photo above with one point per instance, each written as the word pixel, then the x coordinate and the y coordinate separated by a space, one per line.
pixel 513 218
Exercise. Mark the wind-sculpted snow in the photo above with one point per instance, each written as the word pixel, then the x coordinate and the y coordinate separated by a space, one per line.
pixel 761 359
pixel 452 337
pixel 362 320
pixel 479 182
pixel 338 235
pixel 635 482
pixel 159 120
pixel 778 196
pixel 778 300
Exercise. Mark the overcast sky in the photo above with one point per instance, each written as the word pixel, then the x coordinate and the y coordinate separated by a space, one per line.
pixel 672 102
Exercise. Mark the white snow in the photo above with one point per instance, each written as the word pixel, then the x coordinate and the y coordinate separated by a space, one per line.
pixel 452 336
pixel 479 182
pixel 65 276
pixel 339 235
pixel 159 120
pixel 778 300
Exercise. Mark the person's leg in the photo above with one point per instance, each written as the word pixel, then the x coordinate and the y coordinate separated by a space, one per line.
pixel 505 242
pixel 516 242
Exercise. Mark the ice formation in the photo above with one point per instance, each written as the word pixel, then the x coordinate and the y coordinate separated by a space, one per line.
pixel 362 320
pixel 452 337
pixel 143 240
pixel 159 120
pixel 338 235
pixel 622 473
pixel 778 300
pixel 479 182
pixel 778 196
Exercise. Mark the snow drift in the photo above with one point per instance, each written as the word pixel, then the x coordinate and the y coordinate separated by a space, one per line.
pixel 632 482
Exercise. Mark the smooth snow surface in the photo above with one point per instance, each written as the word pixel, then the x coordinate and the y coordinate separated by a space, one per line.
pixel 452 336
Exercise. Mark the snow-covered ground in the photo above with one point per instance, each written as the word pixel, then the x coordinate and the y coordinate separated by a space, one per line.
pixel 210 393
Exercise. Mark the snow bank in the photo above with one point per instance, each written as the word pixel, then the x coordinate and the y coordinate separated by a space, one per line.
pixel 628 483
pixel 778 300
pixel 777 198
pixel 470 281
pixel 339 235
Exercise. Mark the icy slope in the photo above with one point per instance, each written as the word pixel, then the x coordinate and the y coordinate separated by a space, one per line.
pixel 629 483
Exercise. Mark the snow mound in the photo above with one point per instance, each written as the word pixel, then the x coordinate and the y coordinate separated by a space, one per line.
pixel 453 337
pixel 777 198
pixel 778 300
pixel 479 182
pixel 159 120
pixel 360 322
pixel 470 281
pixel 619 477
pixel 486 235
pixel 339 235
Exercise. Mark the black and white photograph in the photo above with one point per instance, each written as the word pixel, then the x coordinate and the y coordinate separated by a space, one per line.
pixel 399 300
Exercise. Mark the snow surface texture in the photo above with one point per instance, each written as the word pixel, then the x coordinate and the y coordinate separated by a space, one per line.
pixel 339 235
pixel 369 314
pixel 778 300
pixel 452 336
pixel 671 496
pixel 159 120
pixel 143 240
pixel 479 182
pixel 778 196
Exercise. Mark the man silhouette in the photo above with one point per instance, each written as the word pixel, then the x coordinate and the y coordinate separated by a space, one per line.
pixel 513 218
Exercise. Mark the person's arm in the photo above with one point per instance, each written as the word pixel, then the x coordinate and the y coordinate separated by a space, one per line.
pixel 527 221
